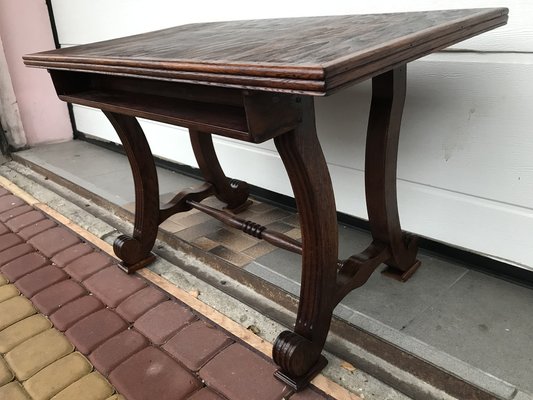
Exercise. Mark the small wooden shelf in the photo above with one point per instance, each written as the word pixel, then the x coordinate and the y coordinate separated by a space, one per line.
pixel 215 118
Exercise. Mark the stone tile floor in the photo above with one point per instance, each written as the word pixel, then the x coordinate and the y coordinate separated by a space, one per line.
pixel 479 319
pixel 73 326
pixel 227 243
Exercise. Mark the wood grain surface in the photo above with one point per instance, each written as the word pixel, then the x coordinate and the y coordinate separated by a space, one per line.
pixel 313 55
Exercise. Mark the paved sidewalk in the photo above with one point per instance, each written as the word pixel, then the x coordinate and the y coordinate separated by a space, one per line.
pixel 73 326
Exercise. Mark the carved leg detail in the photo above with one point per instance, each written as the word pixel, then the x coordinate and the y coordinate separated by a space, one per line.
pixel 388 97
pixel 298 353
pixel 232 192
pixel 135 251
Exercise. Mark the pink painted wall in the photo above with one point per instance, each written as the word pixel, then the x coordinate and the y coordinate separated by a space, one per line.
pixel 25 28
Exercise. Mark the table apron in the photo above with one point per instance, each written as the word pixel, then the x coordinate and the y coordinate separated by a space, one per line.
pixel 252 116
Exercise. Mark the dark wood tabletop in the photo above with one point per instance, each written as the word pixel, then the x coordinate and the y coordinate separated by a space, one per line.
pixel 313 55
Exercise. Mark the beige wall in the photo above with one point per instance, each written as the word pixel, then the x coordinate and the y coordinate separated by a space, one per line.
pixel 25 28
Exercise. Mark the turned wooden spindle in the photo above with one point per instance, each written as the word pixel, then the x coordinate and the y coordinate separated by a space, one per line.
pixel 251 228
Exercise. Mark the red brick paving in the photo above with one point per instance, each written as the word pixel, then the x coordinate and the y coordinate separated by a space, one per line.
pixel 9 240
pixel 72 312
pixel 25 220
pixel 3 229
pixel 151 374
pixel 113 286
pixel 93 330
pixel 119 348
pixel 83 267
pixel 14 212
pixel 34 229
pixel 163 321
pixel 31 284
pixel 53 241
pixel 23 265
pixel 139 303
pixel 236 371
pixel 14 253
pixel 9 202
pixel 196 344
pixel 55 296
pixel 65 257
pixel 198 361
pixel 205 394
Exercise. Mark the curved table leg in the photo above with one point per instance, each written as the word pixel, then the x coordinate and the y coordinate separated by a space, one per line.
pixel 135 251
pixel 388 97
pixel 232 192
pixel 298 353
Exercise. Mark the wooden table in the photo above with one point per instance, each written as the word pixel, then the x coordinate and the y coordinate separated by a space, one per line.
pixel 255 81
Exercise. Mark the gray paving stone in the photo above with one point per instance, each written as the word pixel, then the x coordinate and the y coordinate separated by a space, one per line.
pixel 352 241
pixel 110 177
pixel 118 183
pixel 523 396
pixel 287 264
pixel 170 181
pixel 486 322
pixel 385 299
pixel 272 276
pixel 283 263
pixel 78 156
pixel 398 303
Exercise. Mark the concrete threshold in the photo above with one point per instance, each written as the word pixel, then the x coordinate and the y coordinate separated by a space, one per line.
pixel 388 364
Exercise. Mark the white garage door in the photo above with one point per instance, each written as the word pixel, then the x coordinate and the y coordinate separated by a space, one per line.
pixel 465 160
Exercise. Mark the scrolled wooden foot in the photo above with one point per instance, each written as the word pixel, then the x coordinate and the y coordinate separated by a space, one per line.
pixel 299 360
pixel 132 254
pixel 134 251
